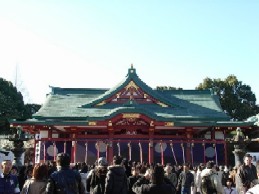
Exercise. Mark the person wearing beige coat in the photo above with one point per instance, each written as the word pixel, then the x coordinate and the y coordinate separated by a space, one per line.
pixel 33 186
pixel 37 184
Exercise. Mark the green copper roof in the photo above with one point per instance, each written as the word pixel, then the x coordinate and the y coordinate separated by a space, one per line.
pixel 131 76
pixel 75 104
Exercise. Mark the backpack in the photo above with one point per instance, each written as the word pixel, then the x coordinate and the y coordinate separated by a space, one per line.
pixel 95 184
pixel 207 187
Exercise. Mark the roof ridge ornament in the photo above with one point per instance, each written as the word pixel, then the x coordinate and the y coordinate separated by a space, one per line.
pixel 132 69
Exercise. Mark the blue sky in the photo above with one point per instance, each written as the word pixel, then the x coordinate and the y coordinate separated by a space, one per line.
pixel 92 43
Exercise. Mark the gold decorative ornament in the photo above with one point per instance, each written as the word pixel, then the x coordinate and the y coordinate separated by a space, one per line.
pixel 131 115
pixel 101 103
pixel 92 123
pixel 131 84
pixel 169 124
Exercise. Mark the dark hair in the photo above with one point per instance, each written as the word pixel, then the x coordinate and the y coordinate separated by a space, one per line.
pixel 210 164
pixel 229 180
pixel 14 168
pixel 117 160
pixel 63 159
pixel 247 156
pixel 84 168
pixel 142 169
pixel 138 167
pixel 40 172
pixel 158 175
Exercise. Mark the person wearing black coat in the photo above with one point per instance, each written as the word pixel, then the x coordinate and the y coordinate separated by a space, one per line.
pixel 247 174
pixel 116 179
pixel 132 179
pixel 65 180
pixel 157 184
pixel 97 182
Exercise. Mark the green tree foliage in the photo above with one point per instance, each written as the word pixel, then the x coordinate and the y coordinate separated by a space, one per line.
pixel 11 101
pixel 12 105
pixel 30 109
pixel 236 98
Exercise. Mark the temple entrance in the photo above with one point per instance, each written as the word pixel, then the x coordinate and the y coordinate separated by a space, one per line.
pixel 138 150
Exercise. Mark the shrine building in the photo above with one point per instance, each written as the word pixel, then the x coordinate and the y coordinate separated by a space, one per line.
pixel 134 121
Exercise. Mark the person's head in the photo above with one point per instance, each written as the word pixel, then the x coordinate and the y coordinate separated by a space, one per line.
pixel 158 175
pixel 210 165
pixel 226 169
pixel 173 169
pixel 229 182
pixel 117 160
pixel 53 164
pixel 168 169
pixel 221 168
pixel 135 170
pixel 199 168
pixel 125 162
pixel 14 170
pixel 142 169
pixel 84 168
pixel 247 159
pixel 6 166
pixel 28 171
pixel 40 172
pixel 186 167
pixel 63 160
pixel 148 174
pixel 102 162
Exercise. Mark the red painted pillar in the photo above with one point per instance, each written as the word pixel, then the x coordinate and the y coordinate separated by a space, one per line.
pixel 73 149
pixel 110 143
pixel 110 151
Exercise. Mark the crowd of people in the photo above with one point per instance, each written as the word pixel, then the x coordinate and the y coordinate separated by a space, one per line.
pixel 126 177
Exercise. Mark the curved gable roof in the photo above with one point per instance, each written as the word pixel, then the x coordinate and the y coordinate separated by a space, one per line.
pixel 131 79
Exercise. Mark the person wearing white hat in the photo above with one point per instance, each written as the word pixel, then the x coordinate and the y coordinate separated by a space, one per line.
pixel 97 180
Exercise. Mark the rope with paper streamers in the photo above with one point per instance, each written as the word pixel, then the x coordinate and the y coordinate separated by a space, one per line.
pixel 86 152
pixel 162 153
pixel 183 152
pixel 192 145
pixel 54 151
pixel 216 153
pixel 140 152
pixel 119 149
pixel 172 148
pixel 129 146
pixel 98 149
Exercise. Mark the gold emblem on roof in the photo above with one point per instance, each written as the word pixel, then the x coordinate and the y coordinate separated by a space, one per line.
pixel 169 124
pixel 131 115
pixel 92 123
pixel 131 85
